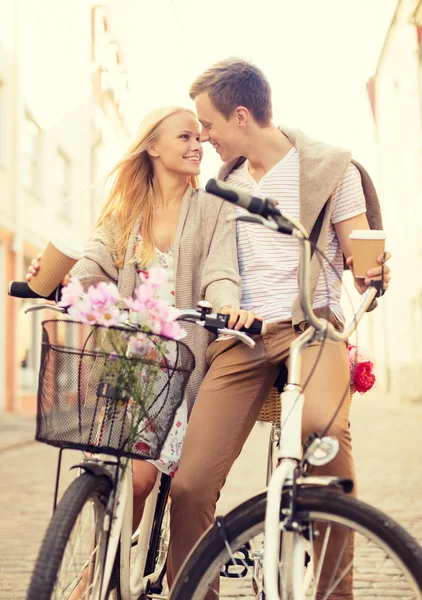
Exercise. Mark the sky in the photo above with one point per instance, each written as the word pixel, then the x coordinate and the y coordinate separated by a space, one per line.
pixel 317 54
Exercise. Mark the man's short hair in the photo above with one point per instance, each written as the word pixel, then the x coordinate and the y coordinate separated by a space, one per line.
pixel 236 82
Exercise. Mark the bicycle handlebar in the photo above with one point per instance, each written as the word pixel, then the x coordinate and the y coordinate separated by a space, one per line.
pixel 216 322
pixel 265 207
pixel 269 212
pixel 203 315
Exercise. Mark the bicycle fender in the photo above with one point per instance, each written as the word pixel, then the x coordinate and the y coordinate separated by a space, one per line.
pixel 326 481
pixel 94 468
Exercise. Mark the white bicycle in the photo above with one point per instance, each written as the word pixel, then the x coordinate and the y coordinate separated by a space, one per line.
pixel 88 550
pixel 275 544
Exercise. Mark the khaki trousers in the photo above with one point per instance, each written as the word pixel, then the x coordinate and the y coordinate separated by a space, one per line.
pixel 226 408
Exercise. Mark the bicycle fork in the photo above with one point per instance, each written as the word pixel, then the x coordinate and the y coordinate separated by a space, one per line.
pixel 292 552
pixel 289 456
pixel 292 555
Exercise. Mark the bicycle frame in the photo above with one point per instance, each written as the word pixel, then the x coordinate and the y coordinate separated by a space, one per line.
pixel 132 582
pixel 289 453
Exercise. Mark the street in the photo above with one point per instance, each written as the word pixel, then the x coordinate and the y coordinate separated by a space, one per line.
pixel 388 457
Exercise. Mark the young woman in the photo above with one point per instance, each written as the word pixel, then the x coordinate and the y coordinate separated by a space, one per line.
pixel 156 216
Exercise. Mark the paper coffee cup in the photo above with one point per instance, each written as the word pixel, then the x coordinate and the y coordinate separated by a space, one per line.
pixel 367 246
pixel 62 253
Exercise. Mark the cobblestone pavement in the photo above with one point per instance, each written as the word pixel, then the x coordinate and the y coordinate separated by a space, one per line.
pixel 15 431
pixel 388 457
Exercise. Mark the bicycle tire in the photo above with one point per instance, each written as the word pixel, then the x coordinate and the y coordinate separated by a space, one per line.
pixel 85 488
pixel 203 564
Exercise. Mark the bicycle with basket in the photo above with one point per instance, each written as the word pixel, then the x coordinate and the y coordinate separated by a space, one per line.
pixel 96 396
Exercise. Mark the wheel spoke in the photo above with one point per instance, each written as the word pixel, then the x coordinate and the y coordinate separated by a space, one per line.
pixel 338 580
pixel 75 560
pixel 331 586
pixel 321 560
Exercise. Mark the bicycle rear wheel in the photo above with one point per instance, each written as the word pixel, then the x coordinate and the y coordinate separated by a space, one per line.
pixel 72 552
pixel 387 560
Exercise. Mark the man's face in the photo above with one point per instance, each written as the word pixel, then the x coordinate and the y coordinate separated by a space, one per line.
pixel 224 135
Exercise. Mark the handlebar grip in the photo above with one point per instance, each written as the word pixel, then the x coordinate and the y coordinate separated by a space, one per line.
pixel 255 329
pixel 21 289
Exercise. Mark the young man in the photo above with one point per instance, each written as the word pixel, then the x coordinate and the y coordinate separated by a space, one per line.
pixel 318 185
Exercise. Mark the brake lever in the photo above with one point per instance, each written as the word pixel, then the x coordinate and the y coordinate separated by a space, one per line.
pixel 378 284
pixel 294 228
pixel 254 219
pixel 54 307
pixel 243 337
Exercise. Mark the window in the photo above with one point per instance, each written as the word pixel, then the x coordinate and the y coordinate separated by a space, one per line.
pixel 62 175
pixel 31 155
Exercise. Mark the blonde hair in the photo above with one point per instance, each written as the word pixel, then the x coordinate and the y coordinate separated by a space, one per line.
pixel 132 190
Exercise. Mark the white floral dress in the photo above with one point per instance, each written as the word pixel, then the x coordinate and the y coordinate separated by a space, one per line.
pixel 172 449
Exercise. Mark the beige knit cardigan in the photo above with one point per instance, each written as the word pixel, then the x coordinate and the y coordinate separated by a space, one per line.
pixel 205 267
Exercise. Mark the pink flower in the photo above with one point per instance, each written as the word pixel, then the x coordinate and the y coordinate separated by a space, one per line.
pixel 145 295
pixel 173 331
pixel 82 310
pixel 107 315
pixel 155 278
pixel 140 317
pixel 103 294
pixel 357 355
pixel 157 316
pixel 363 377
pixel 139 344
pixel 71 293
pixel 144 300
pixel 353 355
pixel 165 311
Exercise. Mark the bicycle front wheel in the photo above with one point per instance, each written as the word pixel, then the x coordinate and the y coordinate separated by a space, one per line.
pixel 71 559
pixel 386 563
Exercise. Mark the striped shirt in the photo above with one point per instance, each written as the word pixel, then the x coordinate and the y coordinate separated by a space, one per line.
pixel 268 261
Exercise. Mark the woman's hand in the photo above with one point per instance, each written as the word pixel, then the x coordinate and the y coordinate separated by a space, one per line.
pixel 239 318
pixel 34 268
pixel 374 273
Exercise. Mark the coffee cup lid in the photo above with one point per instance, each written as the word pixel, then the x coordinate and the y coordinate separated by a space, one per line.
pixel 68 244
pixel 367 234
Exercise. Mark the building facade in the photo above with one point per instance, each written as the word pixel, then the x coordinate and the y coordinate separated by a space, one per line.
pixel 395 92
pixel 63 122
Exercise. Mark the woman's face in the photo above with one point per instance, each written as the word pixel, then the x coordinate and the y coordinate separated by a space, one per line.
pixel 178 147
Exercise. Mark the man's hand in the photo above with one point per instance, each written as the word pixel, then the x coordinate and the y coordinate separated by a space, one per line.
pixel 239 317
pixel 374 273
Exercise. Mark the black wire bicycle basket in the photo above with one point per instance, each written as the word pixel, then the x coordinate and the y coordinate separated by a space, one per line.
pixel 94 397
